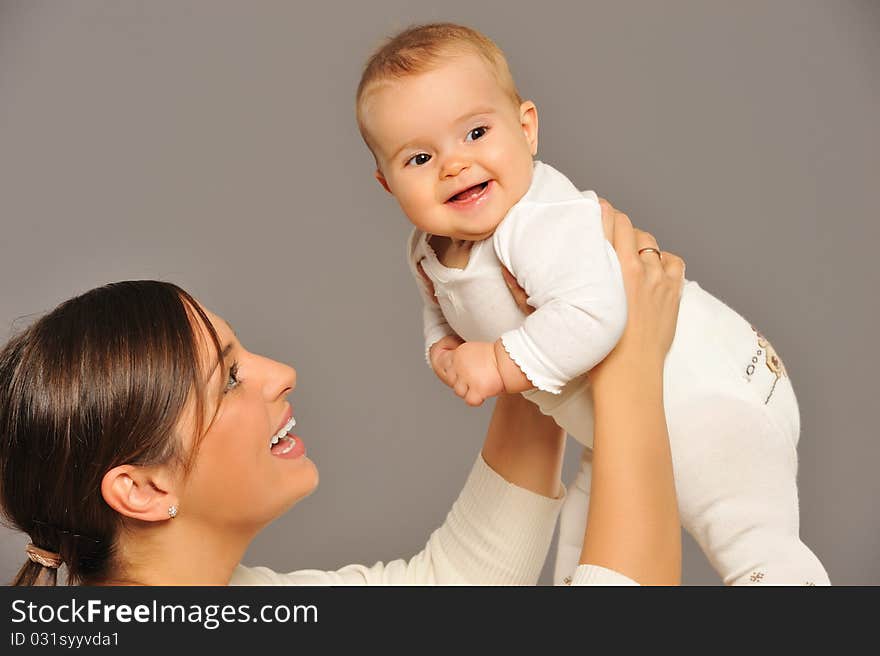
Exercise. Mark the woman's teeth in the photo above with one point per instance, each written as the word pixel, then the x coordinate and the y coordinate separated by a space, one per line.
pixel 285 429
pixel 290 444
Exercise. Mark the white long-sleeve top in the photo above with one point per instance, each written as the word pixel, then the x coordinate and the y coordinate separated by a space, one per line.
pixel 553 243
pixel 496 534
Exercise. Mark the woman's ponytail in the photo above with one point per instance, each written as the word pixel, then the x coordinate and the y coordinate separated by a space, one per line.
pixel 41 567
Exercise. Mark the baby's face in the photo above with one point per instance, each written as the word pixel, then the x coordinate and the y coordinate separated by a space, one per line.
pixel 453 147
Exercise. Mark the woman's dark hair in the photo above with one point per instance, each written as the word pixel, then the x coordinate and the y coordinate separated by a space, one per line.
pixel 98 382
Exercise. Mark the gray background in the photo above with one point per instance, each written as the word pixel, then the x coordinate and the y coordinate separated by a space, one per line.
pixel 213 144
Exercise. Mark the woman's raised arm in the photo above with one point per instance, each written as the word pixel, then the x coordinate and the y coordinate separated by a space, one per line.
pixel 633 525
pixel 524 446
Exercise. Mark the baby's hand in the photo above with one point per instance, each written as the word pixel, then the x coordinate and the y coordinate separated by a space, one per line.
pixel 474 375
pixel 440 356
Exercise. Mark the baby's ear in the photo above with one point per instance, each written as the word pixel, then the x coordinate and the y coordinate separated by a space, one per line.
pixel 383 181
pixel 528 118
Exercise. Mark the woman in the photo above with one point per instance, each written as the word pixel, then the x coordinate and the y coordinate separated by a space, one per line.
pixel 142 444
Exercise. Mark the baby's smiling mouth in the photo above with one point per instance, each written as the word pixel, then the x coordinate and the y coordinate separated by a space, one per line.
pixel 470 193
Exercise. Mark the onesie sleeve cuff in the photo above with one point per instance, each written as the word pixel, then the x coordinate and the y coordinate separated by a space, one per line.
pixel 516 345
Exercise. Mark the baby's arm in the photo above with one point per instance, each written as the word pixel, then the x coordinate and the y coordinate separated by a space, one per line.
pixel 559 255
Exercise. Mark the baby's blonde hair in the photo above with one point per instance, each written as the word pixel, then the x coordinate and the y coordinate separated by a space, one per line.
pixel 419 49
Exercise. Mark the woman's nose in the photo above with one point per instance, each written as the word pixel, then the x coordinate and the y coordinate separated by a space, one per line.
pixel 280 380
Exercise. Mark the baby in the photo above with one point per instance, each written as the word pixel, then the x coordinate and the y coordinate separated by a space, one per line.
pixel 455 144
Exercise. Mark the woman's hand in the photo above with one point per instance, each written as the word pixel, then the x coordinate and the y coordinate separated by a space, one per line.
pixel 653 282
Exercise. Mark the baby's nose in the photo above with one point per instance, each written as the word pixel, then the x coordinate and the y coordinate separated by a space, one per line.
pixel 453 166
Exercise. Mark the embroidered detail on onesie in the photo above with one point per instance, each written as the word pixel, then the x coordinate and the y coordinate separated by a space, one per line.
pixel 771 359
pixel 567 580
pixel 756 577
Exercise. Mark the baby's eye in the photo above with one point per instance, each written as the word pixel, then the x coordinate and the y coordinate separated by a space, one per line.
pixel 233 380
pixel 418 160
pixel 477 133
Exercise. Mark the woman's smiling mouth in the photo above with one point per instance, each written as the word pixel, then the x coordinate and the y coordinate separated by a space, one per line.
pixel 283 431
pixel 283 444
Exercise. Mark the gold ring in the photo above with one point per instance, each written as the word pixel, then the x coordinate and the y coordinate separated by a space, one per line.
pixel 650 250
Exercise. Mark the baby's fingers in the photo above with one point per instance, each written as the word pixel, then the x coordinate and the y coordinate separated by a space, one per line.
pixel 449 377
pixel 445 377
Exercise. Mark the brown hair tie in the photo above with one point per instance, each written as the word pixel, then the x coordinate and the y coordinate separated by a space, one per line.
pixel 44 557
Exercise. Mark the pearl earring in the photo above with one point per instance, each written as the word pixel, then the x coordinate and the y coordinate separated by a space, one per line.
pixel 172 511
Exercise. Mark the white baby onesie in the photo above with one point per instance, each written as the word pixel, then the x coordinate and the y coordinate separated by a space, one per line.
pixel 732 414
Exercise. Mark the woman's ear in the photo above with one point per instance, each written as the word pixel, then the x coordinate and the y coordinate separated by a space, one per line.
pixel 383 181
pixel 143 493
pixel 528 118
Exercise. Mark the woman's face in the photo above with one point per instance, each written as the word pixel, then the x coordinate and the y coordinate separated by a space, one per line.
pixel 240 480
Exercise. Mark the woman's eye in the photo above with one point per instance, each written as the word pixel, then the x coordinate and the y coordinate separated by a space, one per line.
pixel 418 160
pixel 233 381
pixel 477 133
